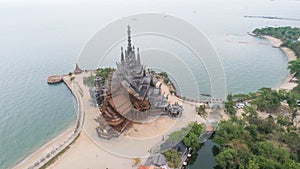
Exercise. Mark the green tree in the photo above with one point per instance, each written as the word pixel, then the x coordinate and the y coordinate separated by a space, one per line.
pixel 201 111
pixel 268 100
pixel 229 105
pixel 264 148
pixel 284 121
pixel 291 100
pixel 228 158
pixel 173 158
pixel 252 164
pixel 294 66
pixel 250 111
pixel 192 138
pixel 292 165
pixel 230 130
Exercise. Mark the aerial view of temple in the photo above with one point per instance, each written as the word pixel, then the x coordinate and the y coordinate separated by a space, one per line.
pixel 130 95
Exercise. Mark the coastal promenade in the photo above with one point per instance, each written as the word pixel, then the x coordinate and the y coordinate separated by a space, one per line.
pixel 51 149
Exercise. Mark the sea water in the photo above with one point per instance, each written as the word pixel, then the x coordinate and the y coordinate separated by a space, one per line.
pixel 38 40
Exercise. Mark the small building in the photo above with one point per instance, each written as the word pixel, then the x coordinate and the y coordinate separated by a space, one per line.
pixel 176 110
pixel 180 146
pixel 215 102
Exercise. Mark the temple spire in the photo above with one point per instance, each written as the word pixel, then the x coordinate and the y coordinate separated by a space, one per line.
pixel 129 49
pixel 138 56
pixel 122 55
pixel 98 82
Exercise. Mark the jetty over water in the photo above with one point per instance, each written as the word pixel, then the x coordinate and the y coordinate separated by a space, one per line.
pixel 54 79
pixel 271 17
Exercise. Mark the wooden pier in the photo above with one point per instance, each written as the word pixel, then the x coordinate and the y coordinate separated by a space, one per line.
pixel 54 79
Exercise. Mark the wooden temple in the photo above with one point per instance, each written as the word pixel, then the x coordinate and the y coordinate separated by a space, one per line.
pixel 130 95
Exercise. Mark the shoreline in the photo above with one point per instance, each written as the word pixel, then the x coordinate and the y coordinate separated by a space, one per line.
pixel 275 42
pixel 55 142
pixel 41 151
pixel 85 141
pixel 58 143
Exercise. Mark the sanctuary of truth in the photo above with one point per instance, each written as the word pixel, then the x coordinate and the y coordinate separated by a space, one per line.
pixel 131 95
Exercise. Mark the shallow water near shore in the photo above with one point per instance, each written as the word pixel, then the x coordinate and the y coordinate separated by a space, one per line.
pixel 41 42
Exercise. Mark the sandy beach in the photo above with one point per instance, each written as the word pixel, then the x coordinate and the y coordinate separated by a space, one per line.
pixel 287 84
pixel 44 150
pixel 45 153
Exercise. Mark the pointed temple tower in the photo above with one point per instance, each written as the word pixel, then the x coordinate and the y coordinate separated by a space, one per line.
pixel 131 95
pixel 99 92
pixel 98 82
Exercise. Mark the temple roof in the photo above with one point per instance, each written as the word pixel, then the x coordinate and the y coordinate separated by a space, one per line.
pixel 158 160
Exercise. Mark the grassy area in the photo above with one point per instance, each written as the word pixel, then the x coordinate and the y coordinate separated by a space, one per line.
pixel 89 81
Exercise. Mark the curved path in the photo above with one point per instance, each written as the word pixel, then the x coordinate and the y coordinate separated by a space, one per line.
pixel 47 152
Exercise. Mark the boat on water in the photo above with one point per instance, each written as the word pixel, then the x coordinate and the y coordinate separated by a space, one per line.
pixel 207 95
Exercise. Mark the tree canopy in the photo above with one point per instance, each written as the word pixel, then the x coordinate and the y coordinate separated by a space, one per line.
pixel 249 143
